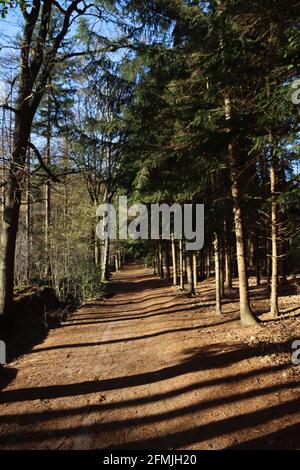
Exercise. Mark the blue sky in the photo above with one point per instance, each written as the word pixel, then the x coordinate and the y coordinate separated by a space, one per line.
pixel 9 29
pixel 10 25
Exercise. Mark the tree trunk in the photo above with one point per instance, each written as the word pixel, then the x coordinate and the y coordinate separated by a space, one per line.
pixel 104 268
pixel 104 260
pixel 116 262
pixel 181 273
pixel 189 273
pixel 251 254
pixel 48 192
pixel 217 275
pixel 246 314
pixel 157 262
pixel 268 260
pixel 274 275
pixel 160 259
pixel 2 167
pixel 28 219
pixel 119 257
pixel 174 261
pixel 283 265
pixel 208 262
pixel 8 245
pixel 228 263
pixel 283 223
pixel 257 258
pixel 154 265
pixel 202 264
pixel 96 251
pixel 96 239
pixel 222 269
pixel 11 211
pixel 195 272
pixel 168 275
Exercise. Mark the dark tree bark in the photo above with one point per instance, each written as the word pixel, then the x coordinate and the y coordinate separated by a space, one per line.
pixel 189 272
pixel 228 264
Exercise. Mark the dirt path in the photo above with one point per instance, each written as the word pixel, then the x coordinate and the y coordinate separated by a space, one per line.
pixel 152 369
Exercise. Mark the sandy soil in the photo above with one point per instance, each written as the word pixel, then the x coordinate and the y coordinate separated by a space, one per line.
pixel 150 368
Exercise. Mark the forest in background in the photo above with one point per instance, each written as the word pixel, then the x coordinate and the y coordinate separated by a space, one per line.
pixel 163 101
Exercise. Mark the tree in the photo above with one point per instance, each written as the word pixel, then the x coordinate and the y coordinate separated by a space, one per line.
pixel 203 102
pixel 37 60
pixel 97 137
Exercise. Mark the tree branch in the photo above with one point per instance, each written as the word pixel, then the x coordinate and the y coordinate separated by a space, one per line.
pixel 9 108
pixel 42 163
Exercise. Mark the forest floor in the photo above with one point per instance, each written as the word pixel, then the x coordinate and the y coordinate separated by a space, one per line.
pixel 150 368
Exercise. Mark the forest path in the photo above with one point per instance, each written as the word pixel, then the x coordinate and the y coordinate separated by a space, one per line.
pixel 150 368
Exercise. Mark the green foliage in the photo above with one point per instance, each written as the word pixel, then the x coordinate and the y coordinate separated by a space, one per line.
pixel 177 132
pixel 154 126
